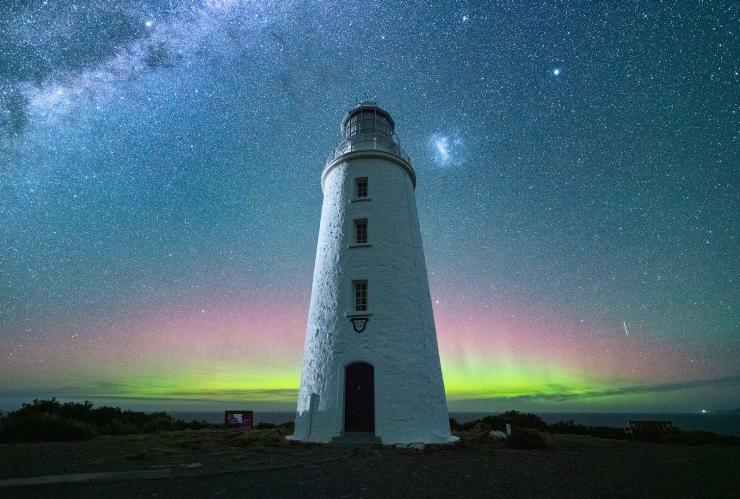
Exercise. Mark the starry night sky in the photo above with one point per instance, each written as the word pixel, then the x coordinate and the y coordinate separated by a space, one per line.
pixel 577 189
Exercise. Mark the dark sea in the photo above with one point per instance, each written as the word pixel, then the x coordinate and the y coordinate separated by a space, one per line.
pixel 725 423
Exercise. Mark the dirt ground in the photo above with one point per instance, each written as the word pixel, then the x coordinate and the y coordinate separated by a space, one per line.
pixel 228 463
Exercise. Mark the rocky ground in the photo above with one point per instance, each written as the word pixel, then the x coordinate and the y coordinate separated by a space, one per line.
pixel 229 463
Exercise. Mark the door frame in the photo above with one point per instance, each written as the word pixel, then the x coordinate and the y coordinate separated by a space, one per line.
pixel 344 393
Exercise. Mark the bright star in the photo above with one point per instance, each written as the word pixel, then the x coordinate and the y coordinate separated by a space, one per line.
pixel 149 23
pixel 465 18
pixel 556 71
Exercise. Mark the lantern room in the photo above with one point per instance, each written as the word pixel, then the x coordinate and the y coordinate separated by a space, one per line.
pixel 367 120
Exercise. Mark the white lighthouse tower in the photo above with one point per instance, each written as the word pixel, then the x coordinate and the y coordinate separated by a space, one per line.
pixel 371 363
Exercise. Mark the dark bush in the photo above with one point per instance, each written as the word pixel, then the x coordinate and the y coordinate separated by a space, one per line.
pixel 521 438
pixel 48 420
pixel 498 422
pixel 289 426
pixel 454 425
pixel 571 428
pixel 469 426
pixel 118 426
pixel 271 426
pixel 159 421
pixel 267 437
pixel 44 427
pixel 696 438
pixel 522 420
pixel 199 424
pixel 264 426
pixel 488 423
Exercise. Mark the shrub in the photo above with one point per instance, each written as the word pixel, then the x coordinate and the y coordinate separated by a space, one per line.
pixel 264 426
pixel 118 426
pixel 273 436
pixel 470 426
pixel 571 428
pixel 160 421
pixel 696 438
pixel 45 427
pixel 46 420
pixel 454 425
pixel 525 439
pixel 522 420
pixel 198 424
pixel 498 422
pixel 289 426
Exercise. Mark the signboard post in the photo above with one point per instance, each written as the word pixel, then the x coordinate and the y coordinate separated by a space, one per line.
pixel 239 419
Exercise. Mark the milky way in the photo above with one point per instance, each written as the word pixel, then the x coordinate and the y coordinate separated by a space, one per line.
pixel 577 188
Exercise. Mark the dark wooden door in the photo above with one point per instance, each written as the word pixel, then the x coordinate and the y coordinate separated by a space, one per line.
pixel 359 398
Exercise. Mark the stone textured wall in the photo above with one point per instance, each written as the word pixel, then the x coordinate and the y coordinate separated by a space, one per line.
pixel 400 338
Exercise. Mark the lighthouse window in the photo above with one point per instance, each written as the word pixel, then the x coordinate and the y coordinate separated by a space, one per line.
pixel 381 127
pixel 353 126
pixel 368 125
pixel 361 187
pixel 360 288
pixel 361 231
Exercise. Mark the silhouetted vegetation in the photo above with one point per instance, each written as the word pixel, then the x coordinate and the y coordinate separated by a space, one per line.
pixel 515 419
pixel 571 428
pixel 49 420
pixel 522 438
pixel 707 438
pixel 270 426
pixel 520 421
pixel 454 425
pixel 263 437
pixel 498 422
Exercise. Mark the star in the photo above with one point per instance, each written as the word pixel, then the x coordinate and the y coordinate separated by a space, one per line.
pixel 140 111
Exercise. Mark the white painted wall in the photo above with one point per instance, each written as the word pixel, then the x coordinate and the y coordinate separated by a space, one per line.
pixel 400 338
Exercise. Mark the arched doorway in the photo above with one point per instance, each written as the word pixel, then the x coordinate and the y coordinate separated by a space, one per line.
pixel 359 398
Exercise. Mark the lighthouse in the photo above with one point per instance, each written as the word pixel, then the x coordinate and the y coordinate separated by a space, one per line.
pixel 371 363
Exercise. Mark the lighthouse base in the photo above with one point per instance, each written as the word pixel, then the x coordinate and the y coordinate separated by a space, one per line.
pixel 369 438
pixel 362 440
pixel 356 440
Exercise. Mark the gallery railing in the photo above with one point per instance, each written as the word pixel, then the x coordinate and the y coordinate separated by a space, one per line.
pixel 372 142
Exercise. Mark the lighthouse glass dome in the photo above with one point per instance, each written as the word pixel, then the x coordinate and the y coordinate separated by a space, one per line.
pixel 367 119
pixel 367 126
